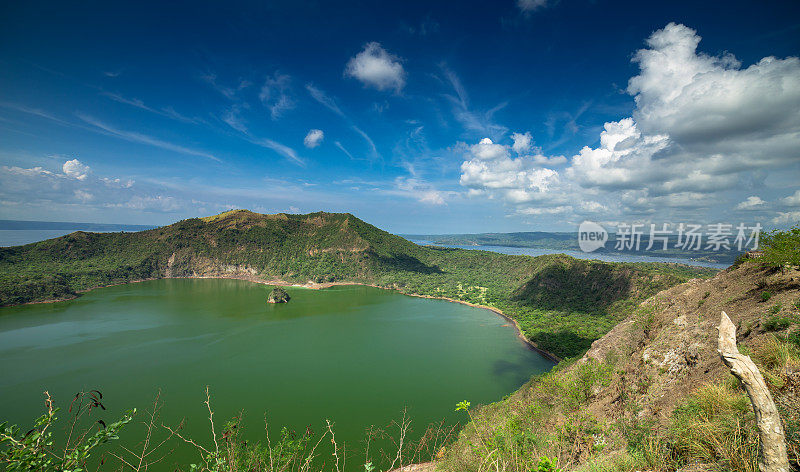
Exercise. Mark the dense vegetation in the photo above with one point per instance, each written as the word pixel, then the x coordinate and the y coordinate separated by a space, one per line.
pixel 562 303
pixel 642 400
pixel 278 295
pixel 585 415
pixel 782 248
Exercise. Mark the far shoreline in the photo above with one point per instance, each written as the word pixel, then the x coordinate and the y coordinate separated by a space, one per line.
pixel 319 286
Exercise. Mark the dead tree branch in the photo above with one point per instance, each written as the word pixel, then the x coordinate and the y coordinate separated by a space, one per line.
pixel 773 445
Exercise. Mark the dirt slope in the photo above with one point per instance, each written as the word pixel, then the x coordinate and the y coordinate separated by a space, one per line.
pixel 672 344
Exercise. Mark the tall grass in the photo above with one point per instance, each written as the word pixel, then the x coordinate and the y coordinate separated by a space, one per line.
pixel 716 426
pixel 88 443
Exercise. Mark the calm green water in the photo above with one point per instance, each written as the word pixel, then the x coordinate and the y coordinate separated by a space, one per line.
pixel 354 355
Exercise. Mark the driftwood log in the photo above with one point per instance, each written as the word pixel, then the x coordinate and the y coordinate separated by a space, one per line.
pixel 773 456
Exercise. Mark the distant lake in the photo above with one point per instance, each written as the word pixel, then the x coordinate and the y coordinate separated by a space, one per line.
pixel 355 355
pixel 581 255
pixel 17 233
pixel 18 237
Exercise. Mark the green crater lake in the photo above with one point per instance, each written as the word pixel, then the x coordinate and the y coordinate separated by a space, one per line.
pixel 352 354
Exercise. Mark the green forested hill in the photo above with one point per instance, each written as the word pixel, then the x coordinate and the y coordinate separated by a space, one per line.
pixel 560 302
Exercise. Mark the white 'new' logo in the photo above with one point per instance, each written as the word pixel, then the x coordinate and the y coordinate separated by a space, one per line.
pixel 591 236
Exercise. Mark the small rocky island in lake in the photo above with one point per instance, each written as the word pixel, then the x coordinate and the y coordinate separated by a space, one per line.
pixel 278 295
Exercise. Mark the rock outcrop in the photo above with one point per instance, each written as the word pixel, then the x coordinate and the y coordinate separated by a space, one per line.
pixel 278 295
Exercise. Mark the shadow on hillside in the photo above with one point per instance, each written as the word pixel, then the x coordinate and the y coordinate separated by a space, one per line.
pixel 579 286
pixel 563 343
pixel 407 263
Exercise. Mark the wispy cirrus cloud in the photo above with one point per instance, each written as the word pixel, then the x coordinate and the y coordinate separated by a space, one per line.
pixel 345 151
pixel 275 94
pixel 324 100
pixel 530 6
pixel 282 149
pixel 167 112
pixel 470 119
pixel 227 91
pixel 233 118
pixel 330 103
pixel 369 140
pixel 35 112
pixel 140 138
pixel 98 126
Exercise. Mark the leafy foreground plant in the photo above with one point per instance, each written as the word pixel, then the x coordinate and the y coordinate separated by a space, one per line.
pixel 304 452
pixel 39 449
pixel 781 248
pixel 36 449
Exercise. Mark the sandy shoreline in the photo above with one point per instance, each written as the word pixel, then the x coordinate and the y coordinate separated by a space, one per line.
pixel 318 286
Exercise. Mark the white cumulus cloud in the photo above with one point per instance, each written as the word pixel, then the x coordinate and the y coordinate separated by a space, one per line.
pixel 76 170
pixel 522 142
pixel 491 167
pixel 699 120
pixel 752 202
pixel 701 125
pixel 313 138
pixel 421 191
pixel 83 196
pixel 792 200
pixel 784 217
pixel 375 67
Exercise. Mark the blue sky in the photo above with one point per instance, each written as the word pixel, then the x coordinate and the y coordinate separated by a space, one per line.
pixel 419 117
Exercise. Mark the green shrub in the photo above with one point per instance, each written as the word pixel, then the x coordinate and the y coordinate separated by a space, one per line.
pixel 781 248
pixel 765 296
pixel 777 323
pixel 35 449
pixel 794 338
pixel 547 464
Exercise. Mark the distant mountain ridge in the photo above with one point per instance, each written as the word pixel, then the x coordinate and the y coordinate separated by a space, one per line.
pixel 322 248
pixel 560 241
pixel 318 247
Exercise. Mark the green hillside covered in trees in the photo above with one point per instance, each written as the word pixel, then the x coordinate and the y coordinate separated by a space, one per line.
pixel 561 303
